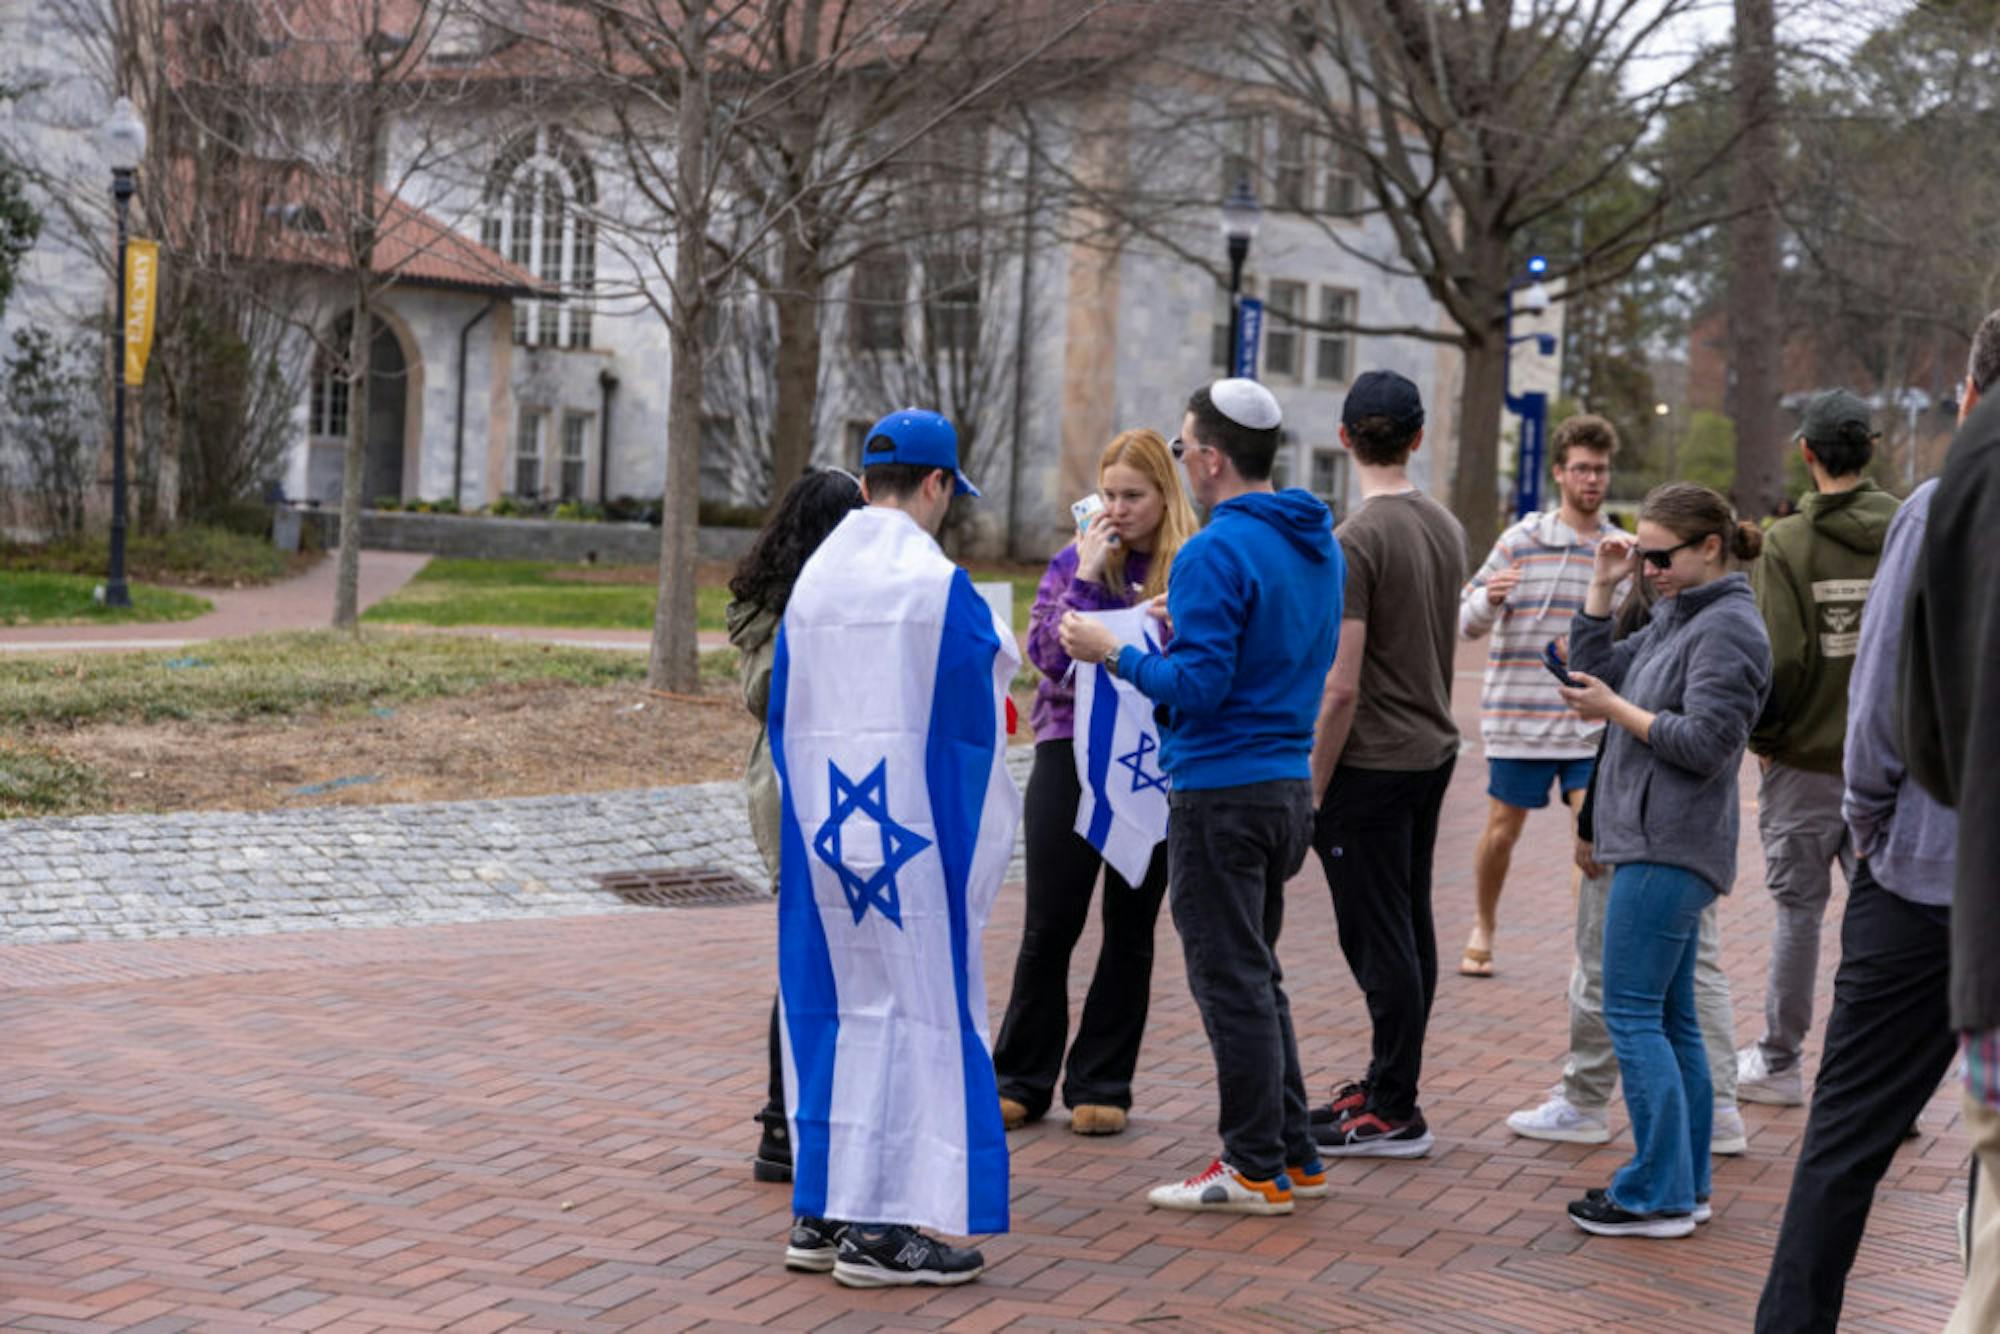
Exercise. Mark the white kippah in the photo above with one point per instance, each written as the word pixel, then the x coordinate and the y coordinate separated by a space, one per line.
pixel 1246 403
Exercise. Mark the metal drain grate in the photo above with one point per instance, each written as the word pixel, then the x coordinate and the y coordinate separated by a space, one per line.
pixel 682 887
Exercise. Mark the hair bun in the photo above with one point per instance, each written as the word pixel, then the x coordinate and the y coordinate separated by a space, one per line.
pixel 1747 541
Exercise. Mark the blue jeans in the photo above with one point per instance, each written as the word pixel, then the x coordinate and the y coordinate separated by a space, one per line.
pixel 1651 925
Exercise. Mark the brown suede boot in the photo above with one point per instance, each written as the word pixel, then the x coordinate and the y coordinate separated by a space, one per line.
pixel 1013 1115
pixel 1091 1119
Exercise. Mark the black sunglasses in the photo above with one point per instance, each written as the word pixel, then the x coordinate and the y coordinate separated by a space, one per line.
pixel 1661 557
pixel 1179 447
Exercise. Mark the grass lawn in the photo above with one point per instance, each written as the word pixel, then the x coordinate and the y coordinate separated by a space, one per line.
pixel 269 675
pixel 33 598
pixel 549 593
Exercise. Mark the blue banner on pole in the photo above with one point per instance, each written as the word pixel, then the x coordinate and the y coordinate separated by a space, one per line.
pixel 1249 326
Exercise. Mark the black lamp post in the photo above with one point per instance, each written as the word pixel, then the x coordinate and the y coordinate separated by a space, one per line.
pixel 124 140
pixel 1240 216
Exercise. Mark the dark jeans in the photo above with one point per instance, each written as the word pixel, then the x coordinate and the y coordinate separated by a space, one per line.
pixel 1888 1043
pixel 774 1092
pixel 1062 871
pixel 1229 852
pixel 1375 834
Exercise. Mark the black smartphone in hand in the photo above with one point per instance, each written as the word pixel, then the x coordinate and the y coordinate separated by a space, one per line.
pixel 1553 660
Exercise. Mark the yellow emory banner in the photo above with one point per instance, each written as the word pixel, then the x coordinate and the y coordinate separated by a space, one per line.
pixel 142 285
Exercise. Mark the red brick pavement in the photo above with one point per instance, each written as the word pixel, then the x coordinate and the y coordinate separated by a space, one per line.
pixel 546 1126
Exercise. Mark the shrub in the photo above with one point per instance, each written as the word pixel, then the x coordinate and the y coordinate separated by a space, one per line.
pixel 51 406
pixel 199 555
pixel 720 514
pixel 249 518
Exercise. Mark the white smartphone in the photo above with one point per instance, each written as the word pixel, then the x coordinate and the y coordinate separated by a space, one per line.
pixel 1086 509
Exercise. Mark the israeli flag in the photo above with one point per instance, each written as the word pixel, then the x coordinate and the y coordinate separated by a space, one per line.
pixel 1123 810
pixel 888 732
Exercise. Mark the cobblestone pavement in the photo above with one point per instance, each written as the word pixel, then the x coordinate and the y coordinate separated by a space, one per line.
pixel 544 1124
pixel 127 877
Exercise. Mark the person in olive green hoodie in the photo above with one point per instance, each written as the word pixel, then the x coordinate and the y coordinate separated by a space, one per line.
pixel 1810 587
pixel 811 508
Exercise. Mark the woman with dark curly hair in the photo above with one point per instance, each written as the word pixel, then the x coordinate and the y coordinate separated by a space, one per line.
pixel 811 508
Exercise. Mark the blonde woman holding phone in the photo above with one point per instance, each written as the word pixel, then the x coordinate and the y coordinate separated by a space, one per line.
pixel 1120 558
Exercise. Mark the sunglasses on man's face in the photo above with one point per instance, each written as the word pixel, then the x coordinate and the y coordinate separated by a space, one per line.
pixel 1661 557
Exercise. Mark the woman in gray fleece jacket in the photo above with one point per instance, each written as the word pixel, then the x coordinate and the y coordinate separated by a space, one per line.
pixel 1681 696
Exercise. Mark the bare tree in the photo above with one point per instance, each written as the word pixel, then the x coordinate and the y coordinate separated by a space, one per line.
pixel 1756 322
pixel 1471 132
pixel 745 129
pixel 338 133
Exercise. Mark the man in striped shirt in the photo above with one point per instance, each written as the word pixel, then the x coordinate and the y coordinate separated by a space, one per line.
pixel 1524 595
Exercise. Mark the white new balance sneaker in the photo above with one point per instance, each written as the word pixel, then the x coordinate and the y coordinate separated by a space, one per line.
pixel 1755 1081
pixel 1726 1135
pixel 1563 1121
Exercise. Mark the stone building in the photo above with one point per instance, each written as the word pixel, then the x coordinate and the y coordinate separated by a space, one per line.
pixel 517 354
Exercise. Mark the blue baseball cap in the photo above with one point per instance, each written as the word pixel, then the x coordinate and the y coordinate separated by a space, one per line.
pixel 916 436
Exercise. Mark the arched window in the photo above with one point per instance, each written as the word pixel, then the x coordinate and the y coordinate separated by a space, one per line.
pixel 538 204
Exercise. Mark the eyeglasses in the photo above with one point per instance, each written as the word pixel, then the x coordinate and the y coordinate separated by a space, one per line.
pixel 1180 447
pixel 1588 469
pixel 1661 557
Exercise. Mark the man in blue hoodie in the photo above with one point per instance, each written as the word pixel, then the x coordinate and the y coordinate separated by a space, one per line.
pixel 1254 605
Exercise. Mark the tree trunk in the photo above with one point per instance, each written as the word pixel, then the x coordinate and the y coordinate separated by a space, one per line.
pixel 1756 331
pixel 347 576
pixel 675 659
pixel 799 349
pixel 1475 486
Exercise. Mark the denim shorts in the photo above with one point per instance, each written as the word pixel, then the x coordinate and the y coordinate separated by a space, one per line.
pixel 1525 783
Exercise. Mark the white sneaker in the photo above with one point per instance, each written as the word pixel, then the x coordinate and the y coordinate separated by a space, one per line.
pixel 1756 1083
pixel 1561 1120
pixel 1222 1189
pixel 1727 1136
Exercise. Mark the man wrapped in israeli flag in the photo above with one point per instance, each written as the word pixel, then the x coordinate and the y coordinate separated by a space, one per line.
pixel 1123 810
pixel 888 724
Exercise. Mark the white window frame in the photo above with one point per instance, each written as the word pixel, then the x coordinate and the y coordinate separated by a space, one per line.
pixel 538 206
pixel 531 445
pixel 575 430
pixel 1336 303
pixel 1279 334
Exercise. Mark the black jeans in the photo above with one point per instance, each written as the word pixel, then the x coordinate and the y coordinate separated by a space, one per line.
pixel 1229 852
pixel 1375 834
pixel 1062 871
pixel 1889 1042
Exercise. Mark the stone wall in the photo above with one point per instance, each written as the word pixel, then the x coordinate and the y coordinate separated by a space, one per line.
pixel 476 538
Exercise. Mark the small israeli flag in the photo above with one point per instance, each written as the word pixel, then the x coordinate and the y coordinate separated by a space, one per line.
pixel 1123 810
pixel 888 732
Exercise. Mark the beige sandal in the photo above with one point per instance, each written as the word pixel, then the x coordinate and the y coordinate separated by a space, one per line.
pixel 1475 962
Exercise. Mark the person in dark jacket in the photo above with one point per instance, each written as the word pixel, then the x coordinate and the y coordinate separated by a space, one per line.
pixel 1811 583
pixel 1122 556
pixel 1949 702
pixel 811 508
pixel 1254 607
pixel 1681 697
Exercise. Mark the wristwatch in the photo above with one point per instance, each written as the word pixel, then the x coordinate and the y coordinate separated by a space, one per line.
pixel 1111 661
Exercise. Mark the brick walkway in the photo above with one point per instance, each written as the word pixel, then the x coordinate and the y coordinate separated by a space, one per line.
pixel 545 1125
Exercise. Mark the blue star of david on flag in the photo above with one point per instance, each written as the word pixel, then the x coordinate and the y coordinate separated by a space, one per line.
pixel 1135 760
pixel 869 797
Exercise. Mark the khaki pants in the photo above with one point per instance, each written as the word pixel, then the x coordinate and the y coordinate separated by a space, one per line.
pixel 1591 1073
pixel 1978 1310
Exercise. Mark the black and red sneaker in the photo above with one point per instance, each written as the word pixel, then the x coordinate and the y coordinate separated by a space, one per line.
pixel 1370 1135
pixel 1348 1099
